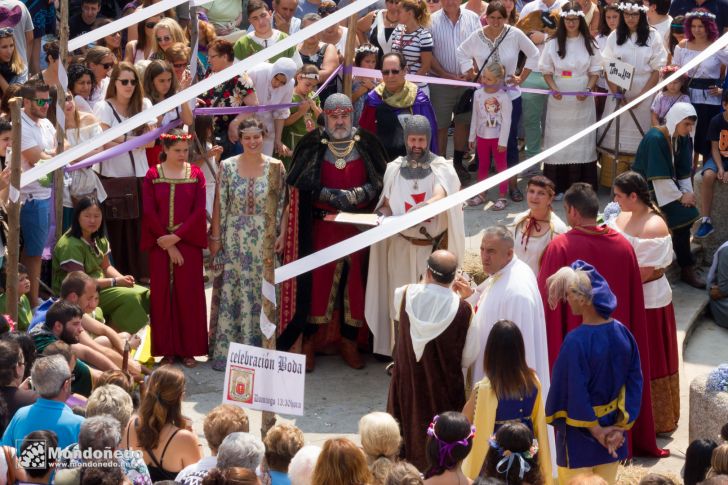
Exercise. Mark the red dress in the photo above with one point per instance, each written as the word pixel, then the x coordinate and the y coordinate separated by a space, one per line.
pixel 613 256
pixel 178 313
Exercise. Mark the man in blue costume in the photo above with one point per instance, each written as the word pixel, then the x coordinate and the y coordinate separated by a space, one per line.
pixel 596 382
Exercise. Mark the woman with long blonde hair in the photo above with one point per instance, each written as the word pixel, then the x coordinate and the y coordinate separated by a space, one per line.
pixel 12 68
pixel 166 32
pixel 160 430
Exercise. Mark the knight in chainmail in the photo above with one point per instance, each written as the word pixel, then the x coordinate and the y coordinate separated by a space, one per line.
pixel 411 182
pixel 334 169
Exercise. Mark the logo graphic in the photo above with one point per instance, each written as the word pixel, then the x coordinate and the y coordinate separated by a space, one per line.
pixel 34 456
pixel 240 385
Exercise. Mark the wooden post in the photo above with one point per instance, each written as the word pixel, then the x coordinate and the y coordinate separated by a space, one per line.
pixel 58 185
pixel 349 54
pixel 269 257
pixel 14 215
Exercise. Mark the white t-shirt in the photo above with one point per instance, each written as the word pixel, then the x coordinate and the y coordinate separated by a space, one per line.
pixel 20 24
pixel 42 135
pixel 121 165
pixel 491 116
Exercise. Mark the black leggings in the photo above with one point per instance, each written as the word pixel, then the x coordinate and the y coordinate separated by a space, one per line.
pixel 681 246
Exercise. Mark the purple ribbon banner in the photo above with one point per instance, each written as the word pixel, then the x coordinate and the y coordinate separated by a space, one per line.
pixel 125 147
pixel 234 110
pixel 360 71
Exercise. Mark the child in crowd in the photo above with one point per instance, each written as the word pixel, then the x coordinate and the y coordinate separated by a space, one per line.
pixel 25 313
pixel 6 139
pixel 449 440
pixel 515 444
pixel 509 392
pixel 207 157
pixel 366 57
pixel 489 129
pixel 303 117
pixel 675 92
pixel 677 34
pixel 714 169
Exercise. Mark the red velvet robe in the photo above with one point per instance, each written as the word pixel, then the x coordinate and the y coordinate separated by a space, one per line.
pixel 613 256
pixel 178 313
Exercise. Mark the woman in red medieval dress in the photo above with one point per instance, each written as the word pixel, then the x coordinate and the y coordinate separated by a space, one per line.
pixel 174 231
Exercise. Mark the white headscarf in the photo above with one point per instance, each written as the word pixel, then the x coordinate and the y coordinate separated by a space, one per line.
pixel 677 113
pixel 285 66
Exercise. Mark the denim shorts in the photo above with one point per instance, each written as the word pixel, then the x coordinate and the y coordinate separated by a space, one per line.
pixel 709 164
pixel 35 221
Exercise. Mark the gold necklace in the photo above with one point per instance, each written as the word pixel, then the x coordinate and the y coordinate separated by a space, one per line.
pixel 340 153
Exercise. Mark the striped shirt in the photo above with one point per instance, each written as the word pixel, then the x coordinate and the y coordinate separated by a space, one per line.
pixel 446 36
pixel 411 45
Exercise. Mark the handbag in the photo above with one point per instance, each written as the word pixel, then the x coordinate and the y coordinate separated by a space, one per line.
pixel 122 193
pixel 465 102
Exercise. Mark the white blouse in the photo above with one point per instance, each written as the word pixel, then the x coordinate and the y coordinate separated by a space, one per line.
pixel 708 69
pixel 645 59
pixel 122 165
pixel 576 62
pixel 477 47
pixel 656 253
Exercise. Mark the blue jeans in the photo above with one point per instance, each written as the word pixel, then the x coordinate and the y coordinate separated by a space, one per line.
pixel 35 221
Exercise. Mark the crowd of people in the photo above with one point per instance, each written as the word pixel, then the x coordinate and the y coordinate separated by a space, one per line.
pixel 564 362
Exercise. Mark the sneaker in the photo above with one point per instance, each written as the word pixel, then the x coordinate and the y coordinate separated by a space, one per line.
pixel 559 197
pixel 704 230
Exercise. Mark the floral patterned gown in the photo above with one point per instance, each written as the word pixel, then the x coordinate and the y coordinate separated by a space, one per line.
pixel 237 295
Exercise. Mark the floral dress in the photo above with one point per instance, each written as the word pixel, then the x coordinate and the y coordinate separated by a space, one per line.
pixel 237 290
pixel 229 93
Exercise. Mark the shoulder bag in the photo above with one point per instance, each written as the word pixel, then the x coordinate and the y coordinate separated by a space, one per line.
pixel 122 193
pixel 465 103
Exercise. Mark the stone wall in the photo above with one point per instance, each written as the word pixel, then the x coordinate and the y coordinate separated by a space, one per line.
pixel 708 410
pixel 719 214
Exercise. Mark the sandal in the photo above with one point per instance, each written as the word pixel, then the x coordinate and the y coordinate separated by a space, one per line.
pixel 167 360
pixel 189 362
pixel 477 200
pixel 516 195
pixel 499 205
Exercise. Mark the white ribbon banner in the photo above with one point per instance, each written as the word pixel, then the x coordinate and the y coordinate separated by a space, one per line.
pixel 192 92
pixel 397 224
pixel 125 22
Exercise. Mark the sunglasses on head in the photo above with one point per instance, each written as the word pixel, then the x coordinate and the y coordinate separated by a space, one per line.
pixel 150 25
pixel 125 82
pixel 6 32
pixel 164 38
pixel 388 72
pixel 42 101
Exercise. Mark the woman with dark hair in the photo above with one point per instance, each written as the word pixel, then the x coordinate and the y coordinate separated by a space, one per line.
pixel 571 62
pixel 697 461
pixel 43 472
pixel 27 347
pixel 231 476
pixel 236 91
pixel 81 82
pixel 238 241
pixel 664 159
pixel 534 228
pixel 677 34
pixel 704 85
pixel 143 46
pixel 112 41
pixel 14 388
pixel 608 21
pixel 510 391
pixel 49 75
pixel 646 230
pixel 449 440
pixel 508 42
pixel 322 55
pixel 122 174
pixel 377 27
pixel 100 60
pixel 159 430
pixel 174 231
pixel 85 248
pixel 640 46
pixel 516 440
pixel 341 462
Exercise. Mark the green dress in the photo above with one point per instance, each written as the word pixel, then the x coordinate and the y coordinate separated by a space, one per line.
pixel 25 313
pixel 245 47
pixel 293 133
pixel 127 308
pixel 656 160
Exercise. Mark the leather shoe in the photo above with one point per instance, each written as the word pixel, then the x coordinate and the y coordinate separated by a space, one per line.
pixel 350 354
pixel 689 276
pixel 310 353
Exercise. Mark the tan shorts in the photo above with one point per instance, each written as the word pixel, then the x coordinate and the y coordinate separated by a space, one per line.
pixel 443 99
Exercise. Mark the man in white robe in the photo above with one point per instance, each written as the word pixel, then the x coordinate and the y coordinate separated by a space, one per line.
pixel 410 182
pixel 509 293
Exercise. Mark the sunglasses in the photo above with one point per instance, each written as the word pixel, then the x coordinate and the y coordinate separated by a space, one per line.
pixel 6 32
pixel 42 101
pixel 180 65
pixel 390 72
pixel 125 82
pixel 108 65
pixel 164 38
pixel 150 25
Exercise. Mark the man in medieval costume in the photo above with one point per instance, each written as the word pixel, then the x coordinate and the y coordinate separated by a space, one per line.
pixel 411 181
pixel 337 169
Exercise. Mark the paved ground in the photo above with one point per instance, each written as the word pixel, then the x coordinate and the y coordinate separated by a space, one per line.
pixel 337 396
